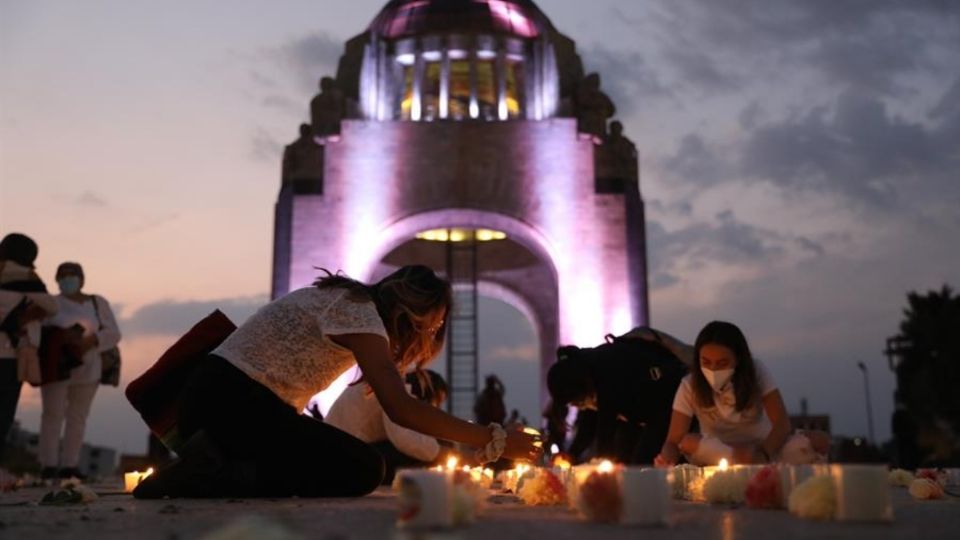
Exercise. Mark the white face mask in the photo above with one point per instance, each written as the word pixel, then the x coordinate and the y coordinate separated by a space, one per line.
pixel 718 378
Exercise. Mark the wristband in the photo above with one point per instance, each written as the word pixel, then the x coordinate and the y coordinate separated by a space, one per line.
pixel 493 449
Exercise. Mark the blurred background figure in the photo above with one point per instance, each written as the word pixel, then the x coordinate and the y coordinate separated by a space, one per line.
pixel 489 407
pixel 23 303
pixel 93 329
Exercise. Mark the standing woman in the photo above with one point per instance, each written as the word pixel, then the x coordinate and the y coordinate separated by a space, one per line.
pixel 241 410
pixel 93 329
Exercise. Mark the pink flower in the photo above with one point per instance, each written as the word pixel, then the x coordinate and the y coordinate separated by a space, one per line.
pixel 763 490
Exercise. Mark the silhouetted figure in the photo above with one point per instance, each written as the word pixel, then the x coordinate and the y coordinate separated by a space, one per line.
pixel 489 406
pixel 303 163
pixel 594 108
pixel 623 153
pixel 327 109
pixel 514 419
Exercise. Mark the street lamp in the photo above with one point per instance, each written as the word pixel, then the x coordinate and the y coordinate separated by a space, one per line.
pixel 866 386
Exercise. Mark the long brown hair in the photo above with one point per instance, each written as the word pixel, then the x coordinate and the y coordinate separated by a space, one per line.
pixel 407 301
pixel 746 386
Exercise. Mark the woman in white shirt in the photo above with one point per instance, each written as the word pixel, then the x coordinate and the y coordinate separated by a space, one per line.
pixel 741 413
pixel 66 404
pixel 358 412
pixel 241 409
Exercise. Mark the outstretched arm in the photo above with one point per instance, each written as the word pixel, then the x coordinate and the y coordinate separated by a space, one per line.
pixel 670 453
pixel 373 356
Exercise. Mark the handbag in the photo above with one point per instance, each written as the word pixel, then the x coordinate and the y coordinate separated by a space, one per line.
pixel 110 358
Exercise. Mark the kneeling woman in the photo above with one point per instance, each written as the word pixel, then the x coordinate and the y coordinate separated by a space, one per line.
pixel 741 413
pixel 241 408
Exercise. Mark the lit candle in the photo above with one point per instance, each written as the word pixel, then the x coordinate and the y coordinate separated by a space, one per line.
pixel 863 492
pixel 132 479
pixel 646 496
pixel 424 498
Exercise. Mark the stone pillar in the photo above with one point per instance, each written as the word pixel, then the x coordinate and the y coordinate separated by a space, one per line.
pixel 419 69
pixel 445 81
pixel 474 99
pixel 500 67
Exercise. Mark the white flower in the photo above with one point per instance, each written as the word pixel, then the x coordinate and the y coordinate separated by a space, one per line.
pixel 816 498
pixel 901 478
pixel 926 489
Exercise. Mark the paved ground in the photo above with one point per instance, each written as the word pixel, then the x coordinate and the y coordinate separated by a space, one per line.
pixel 116 516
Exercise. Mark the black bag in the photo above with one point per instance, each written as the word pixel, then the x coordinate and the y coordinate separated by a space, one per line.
pixel 109 359
pixel 59 354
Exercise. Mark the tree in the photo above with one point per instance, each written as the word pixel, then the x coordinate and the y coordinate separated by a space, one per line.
pixel 928 372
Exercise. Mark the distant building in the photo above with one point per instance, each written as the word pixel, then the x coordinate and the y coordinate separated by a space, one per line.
pixel 810 422
pixel 94 460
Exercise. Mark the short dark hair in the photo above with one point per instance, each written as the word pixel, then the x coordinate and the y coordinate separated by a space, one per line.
pixel 570 379
pixel 746 386
pixel 19 248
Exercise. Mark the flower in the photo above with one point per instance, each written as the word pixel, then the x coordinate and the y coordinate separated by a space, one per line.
pixel 924 489
pixel 544 489
pixel 598 499
pixel 816 498
pixel 725 487
pixel 934 475
pixel 901 478
pixel 763 490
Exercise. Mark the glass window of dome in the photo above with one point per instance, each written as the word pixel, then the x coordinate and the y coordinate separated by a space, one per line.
pixel 481 78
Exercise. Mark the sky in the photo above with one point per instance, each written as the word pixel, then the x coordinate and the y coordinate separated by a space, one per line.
pixel 800 165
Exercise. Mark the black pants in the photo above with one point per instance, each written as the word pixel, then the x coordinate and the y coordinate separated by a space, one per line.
pixel 395 459
pixel 9 396
pixel 292 454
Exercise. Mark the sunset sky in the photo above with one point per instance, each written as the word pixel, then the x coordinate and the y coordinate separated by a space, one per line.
pixel 800 164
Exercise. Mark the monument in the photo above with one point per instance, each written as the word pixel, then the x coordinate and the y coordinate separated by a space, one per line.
pixel 465 134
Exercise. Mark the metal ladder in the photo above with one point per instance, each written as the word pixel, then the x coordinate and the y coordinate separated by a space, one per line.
pixel 462 343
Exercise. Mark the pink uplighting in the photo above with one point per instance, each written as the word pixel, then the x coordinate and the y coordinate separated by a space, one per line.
pixel 512 18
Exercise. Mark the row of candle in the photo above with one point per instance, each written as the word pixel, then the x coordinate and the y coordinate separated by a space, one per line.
pixel 861 492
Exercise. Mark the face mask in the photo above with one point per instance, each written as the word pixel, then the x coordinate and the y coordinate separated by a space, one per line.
pixel 718 379
pixel 69 284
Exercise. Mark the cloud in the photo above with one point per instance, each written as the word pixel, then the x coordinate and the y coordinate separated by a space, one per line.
pixel 264 147
pixel 864 44
pixel 628 78
pixel 523 353
pixel 308 58
pixel 695 161
pixel 91 199
pixel 858 150
pixel 169 317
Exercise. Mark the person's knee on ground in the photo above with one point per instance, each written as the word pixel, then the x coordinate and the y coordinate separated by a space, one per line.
pixel 708 450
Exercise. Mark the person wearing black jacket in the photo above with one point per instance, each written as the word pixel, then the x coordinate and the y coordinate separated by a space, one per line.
pixel 624 390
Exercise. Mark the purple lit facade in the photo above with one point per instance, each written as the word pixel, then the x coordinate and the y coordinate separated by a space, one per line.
pixel 463 113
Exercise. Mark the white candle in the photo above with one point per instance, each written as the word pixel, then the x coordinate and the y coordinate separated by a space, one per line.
pixel 132 479
pixel 424 498
pixel 863 492
pixel 646 496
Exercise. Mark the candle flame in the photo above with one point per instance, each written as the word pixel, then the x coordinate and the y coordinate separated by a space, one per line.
pixel 146 474
pixel 562 463
pixel 605 467
pixel 724 464
pixel 452 462
pixel 554 449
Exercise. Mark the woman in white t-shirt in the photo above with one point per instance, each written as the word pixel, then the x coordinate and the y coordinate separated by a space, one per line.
pixel 241 409
pixel 358 412
pixel 741 413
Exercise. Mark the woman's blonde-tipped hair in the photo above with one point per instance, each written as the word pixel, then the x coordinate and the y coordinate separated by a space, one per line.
pixel 409 302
